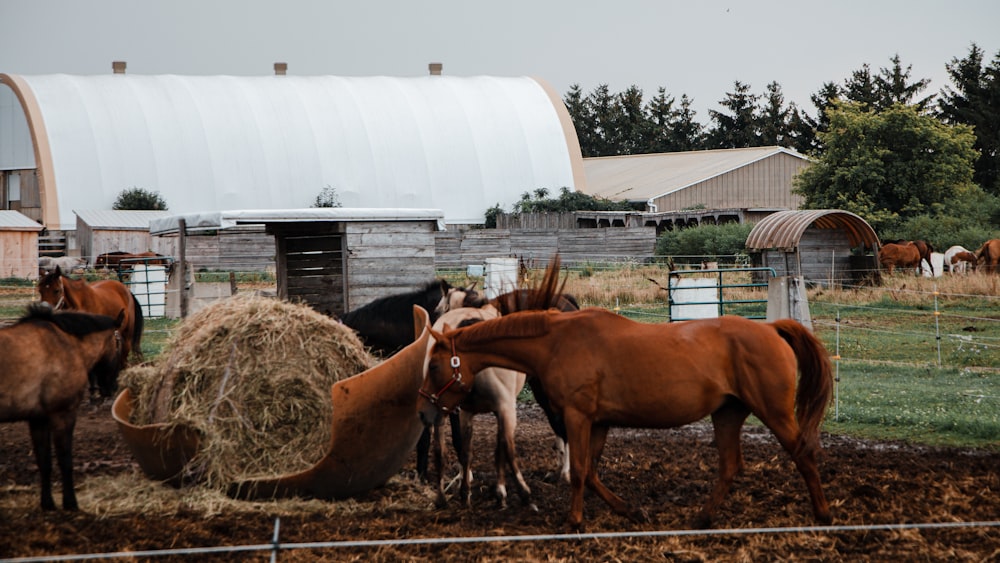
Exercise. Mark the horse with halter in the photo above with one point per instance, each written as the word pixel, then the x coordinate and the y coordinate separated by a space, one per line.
pixel 601 370
pixel 386 326
pixel 48 358
pixel 544 294
pixel 103 297
pixel 495 391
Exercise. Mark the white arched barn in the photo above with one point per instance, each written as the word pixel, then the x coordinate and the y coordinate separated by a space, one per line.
pixel 211 143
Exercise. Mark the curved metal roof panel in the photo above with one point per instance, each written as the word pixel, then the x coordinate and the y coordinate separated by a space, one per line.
pixel 783 230
pixel 208 143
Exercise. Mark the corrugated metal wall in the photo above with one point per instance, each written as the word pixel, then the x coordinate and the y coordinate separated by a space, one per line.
pixel 765 183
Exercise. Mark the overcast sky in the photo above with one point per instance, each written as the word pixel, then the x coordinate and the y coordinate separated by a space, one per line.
pixel 693 47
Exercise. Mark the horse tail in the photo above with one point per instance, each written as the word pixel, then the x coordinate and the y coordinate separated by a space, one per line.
pixel 812 396
pixel 137 328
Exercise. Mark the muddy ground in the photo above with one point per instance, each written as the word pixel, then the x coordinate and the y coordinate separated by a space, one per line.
pixel 667 472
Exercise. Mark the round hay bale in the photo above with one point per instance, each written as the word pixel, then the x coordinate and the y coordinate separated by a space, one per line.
pixel 252 375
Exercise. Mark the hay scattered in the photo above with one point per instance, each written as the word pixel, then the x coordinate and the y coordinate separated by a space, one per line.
pixel 253 376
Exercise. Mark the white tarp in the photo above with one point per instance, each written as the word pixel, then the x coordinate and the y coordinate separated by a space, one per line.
pixel 460 144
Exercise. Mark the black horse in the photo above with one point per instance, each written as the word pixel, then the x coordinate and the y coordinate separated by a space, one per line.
pixel 386 326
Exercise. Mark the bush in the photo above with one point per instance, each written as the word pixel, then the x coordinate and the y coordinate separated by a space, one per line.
pixel 138 199
pixel 705 240
pixel 327 198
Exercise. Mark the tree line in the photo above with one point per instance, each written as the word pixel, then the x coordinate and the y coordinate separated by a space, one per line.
pixel 881 145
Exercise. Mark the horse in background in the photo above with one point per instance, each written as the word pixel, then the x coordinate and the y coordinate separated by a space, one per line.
pixel 48 359
pixel 603 370
pixel 104 297
pixel 988 256
pixel 899 255
pixel 958 259
pixel 924 249
pixel 46 264
pixel 494 391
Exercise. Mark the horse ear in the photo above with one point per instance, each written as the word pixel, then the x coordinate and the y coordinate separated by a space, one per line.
pixel 437 336
pixel 472 286
pixel 57 271
pixel 445 286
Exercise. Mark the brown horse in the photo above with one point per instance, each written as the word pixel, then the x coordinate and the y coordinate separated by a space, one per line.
pixel 602 370
pixel 104 297
pixel 495 391
pixel 47 359
pixel 899 255
pixel 988 256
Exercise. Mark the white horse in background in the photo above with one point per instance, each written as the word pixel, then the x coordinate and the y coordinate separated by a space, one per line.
pixel 68 264
pixel 958 258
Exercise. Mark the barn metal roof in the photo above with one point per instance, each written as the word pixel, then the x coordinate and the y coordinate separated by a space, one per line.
pixel 211 221
pixel 460 144
pixel 16 221
pixel 644 177
pixel 783 230
pixel 119 219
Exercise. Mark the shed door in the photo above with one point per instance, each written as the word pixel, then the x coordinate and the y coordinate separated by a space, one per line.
pixel 311 270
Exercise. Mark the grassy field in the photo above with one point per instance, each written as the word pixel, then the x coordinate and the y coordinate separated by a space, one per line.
pixel 916 359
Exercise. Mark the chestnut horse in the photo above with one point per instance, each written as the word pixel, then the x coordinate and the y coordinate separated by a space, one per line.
pixel 104 297
pixel 495 391
pixel 988 256
pixel 602 370
pixel 894 255
pixel 48 358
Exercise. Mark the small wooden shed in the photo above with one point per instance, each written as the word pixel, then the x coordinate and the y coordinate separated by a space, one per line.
pixel 106 230
pixel 18 246
pixel 822 246
pixel 334 259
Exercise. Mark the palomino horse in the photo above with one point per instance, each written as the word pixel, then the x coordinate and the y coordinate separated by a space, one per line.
pixel 104 297
pixel 602 370
pixel 545 295
pixel 958 259
pixel 988 256
pixel 495 391
pixel 47 359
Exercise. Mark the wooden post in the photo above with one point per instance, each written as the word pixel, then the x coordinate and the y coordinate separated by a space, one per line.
pixel 182 258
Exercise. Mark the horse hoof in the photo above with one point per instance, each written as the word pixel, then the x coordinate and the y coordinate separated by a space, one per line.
pixel 533 507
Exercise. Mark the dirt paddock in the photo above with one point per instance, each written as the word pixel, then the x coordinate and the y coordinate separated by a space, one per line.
pixel 667 472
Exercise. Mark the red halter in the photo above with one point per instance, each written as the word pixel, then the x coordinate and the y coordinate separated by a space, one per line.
pixel 456 377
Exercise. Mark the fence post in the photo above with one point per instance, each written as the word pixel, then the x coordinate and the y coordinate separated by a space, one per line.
pixel 786 298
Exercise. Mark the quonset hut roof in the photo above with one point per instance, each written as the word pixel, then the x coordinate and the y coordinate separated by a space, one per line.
pixel 209 143
pixel 783 230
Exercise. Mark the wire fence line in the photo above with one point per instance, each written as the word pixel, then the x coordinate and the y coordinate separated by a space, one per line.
pixel 275 546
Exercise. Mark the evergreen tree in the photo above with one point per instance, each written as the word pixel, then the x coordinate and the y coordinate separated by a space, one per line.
pixel 740 127
pixel 975 101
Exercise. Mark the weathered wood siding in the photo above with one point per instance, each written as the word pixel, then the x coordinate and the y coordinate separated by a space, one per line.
pixel 766 183
pixel 94 242
pixel 239 250
pixel 19 254
pixel 310 265
pixel 460 248
pixel 388 258
pixel 823 258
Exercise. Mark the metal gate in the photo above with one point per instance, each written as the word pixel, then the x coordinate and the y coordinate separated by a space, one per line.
pixel 700 294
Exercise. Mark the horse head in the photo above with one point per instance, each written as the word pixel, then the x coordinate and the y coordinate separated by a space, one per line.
pixel 108 366
pixel 51 290
pixel 447 382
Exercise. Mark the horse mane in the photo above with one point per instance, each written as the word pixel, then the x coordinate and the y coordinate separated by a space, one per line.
pixel 538 296
pixel 71 322
pixel 524 324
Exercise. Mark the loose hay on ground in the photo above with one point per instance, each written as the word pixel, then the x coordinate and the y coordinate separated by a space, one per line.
pixel 253 376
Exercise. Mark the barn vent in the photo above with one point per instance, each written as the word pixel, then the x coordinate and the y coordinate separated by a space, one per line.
pixel 435 68
pixel 280 69
pixel 118 67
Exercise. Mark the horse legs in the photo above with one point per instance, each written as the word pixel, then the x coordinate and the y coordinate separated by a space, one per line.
pixel 727 422
pixel 506 427
pixel 598 438
pixel 578 429
pixel 438 442
pixel 464 451
pixel 41 443
pixel 62 432
pixel 786 430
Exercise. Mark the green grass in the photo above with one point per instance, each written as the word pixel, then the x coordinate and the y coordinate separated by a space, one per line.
pixel 947 406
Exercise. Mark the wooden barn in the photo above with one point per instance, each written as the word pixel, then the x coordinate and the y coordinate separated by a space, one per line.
pixel 334 259
pixel 18 246
pixel 824 247
pixel 747 178
pixel 103 230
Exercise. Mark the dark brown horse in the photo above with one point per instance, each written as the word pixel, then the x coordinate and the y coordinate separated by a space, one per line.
pixel 120 260
pixel 48 357
pixel 104 297
pixel 601 370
